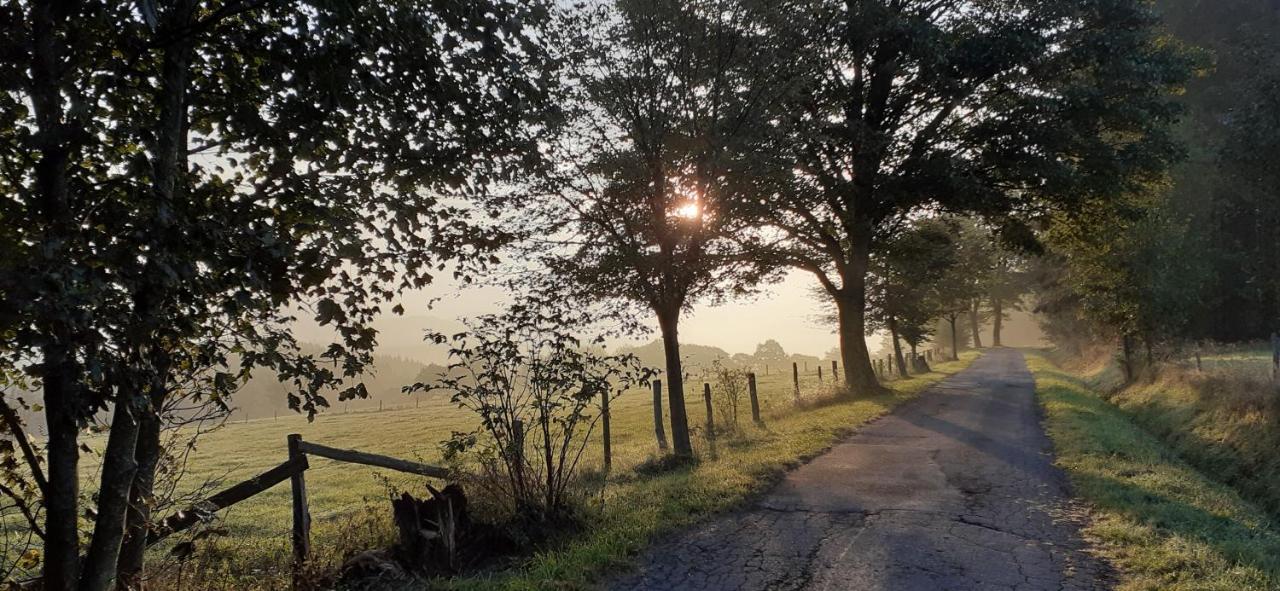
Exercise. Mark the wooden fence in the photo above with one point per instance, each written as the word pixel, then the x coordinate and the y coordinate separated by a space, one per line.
pixel 292 469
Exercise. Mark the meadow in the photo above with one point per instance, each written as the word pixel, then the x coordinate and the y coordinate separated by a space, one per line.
pixel 349 504
pixel 1167 518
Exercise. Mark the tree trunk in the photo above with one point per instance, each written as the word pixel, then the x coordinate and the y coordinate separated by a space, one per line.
pixel 1126 344
pixel 859 376
pixel 137 521
pixel 997 320
pixel 61 545
pixel 975 324
pixel 60 374
pixel 169 162
pixel 141 494
pixel 118 468
pixel 668 321
pixel 897 348
pixel 955 339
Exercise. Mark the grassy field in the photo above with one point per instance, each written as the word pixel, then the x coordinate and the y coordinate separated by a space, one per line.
pixel 1165 524
pixel 349 503
pixel 1246 361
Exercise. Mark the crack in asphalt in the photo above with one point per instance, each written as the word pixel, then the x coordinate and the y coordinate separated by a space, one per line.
pixel 954 490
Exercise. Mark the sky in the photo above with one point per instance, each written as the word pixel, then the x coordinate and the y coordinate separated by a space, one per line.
pixel 787 312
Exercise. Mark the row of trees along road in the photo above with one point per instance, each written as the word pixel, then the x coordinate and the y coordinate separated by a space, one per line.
pixel 178 175
pixel 707 144
pixel 1193 257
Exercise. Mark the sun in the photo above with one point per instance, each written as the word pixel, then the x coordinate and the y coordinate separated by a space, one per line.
pixel 689 210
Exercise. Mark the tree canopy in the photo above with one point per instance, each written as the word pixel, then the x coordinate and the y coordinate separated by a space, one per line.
pixel 997 109
pixel 178 177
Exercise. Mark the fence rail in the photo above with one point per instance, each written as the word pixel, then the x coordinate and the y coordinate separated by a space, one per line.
pixel 368 459
pixel 293 470
pixel 205 509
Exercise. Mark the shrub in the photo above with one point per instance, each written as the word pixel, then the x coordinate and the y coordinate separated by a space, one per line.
pixel 534 387
pixel 731 387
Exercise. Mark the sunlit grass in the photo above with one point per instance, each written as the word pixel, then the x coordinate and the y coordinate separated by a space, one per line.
pixel 349 503
pixel 1167 526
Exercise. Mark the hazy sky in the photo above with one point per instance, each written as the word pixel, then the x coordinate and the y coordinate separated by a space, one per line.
pixel 786 312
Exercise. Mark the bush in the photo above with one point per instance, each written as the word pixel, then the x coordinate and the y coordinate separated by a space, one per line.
pixel 731 387
pixel 535 388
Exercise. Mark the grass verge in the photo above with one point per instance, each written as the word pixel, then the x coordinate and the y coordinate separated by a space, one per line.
pixel 1226 424
pixel 1164 524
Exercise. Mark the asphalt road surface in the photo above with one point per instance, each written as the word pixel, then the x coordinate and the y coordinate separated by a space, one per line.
pixel 953 490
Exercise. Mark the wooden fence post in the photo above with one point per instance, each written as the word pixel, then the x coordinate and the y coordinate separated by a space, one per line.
pixel 819 374
pixel 835 373
pixel 657 415
pixel 301 515
pixel 795 379
pixel 604 418
pixel 755 400
pixel 711 423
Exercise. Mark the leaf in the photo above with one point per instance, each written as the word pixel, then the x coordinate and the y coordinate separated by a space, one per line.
pixel 29 559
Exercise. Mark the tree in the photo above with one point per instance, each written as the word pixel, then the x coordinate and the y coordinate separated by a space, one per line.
pixel 1224 192
pixel 999 109
pixel 903 283
pixel 770 351
pixel 641 213
pixel 190 171
pixel 963 283
pixel 1132 271
pixel 1243 227
pixel 1007 285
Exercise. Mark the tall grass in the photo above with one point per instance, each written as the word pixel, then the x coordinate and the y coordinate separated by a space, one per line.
pixel 1165 524
pixel 1225 421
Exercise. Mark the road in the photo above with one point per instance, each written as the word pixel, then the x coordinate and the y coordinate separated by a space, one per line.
pixel 954 490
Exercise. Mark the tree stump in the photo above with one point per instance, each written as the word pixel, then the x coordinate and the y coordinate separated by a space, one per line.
pixel 431 530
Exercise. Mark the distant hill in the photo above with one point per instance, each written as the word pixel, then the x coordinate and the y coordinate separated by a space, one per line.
pixel 691 356
pixel 264 396
pixel 401 361
pixel 398 336
pixel 699 358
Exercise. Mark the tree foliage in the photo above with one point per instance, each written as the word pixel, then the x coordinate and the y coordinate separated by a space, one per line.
pixel 905 284
pixel 1004 110
pixel 179 177
pixel 640 207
